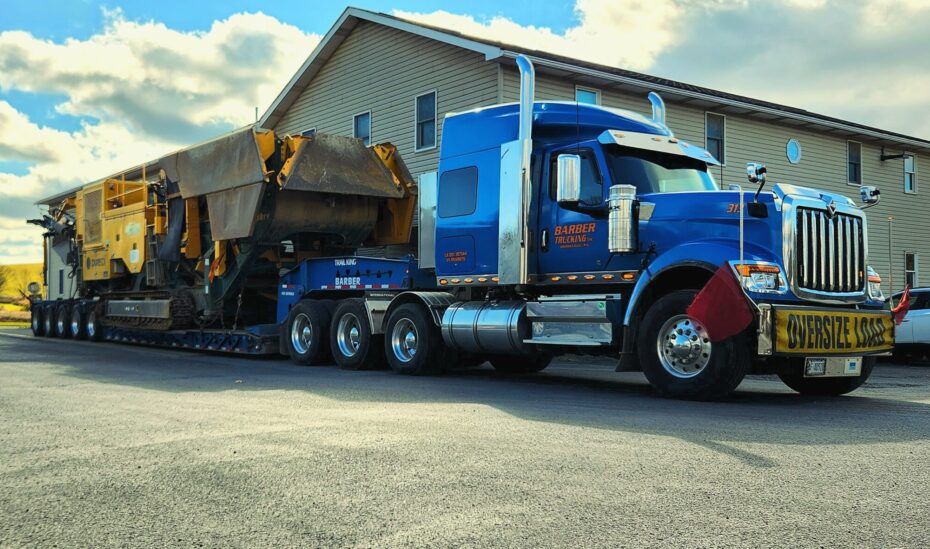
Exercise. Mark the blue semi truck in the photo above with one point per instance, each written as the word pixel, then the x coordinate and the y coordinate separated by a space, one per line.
pixel 553 228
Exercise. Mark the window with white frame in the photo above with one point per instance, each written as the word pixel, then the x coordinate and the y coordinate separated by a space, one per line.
pixel 425 121
pixel 590 96
pixel 715 134
pixel 910 173
pixel 854 163
pixel 910 269
pixel 362 127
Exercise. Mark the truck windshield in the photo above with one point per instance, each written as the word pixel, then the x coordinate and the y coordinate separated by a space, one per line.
pixel 655 172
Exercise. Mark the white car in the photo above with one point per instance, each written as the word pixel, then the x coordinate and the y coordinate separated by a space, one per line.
pixel 912 336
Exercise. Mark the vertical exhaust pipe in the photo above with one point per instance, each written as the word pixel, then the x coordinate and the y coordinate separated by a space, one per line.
pixel 527 98
pixel 658 110
pixel 515 188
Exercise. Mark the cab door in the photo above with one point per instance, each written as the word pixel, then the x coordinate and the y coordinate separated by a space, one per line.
pixel 574 240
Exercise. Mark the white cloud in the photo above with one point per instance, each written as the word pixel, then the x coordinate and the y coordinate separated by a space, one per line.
pixel 623 33
pixel 142 88
pixel 863 61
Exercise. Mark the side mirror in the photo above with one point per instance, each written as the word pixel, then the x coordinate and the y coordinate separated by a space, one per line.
pixel 568 179
pixel 34 288
pixel 755 172
pixel 869 195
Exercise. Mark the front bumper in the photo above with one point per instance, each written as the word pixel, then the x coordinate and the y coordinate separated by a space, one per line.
pixel 790 330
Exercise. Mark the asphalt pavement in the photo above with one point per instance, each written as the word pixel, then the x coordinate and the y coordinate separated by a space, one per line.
pixel 104 445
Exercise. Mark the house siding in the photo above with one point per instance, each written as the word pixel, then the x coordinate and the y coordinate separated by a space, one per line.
pixel 381 69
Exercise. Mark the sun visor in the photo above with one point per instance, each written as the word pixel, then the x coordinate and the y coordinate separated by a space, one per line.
pixel 224 163
pixel 339 165
pixel 657 143
pixel 232 212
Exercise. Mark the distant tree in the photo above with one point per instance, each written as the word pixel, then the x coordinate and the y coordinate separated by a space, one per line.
pixel 6 275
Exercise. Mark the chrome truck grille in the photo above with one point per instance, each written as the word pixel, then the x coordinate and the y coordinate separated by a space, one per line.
pixel 830 252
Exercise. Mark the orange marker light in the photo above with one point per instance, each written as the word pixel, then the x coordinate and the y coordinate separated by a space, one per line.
pixel 629 276
pixel 556 278
pixel 746 270
pixel 456 280
pixel 589 277
pixel 572 277
pixel 495 279
pixel 443 282
pixel 608 277
pixel 482 279
pixel 469 280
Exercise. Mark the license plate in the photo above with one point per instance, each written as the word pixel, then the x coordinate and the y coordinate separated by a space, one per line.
pixel 832 366
pixel 826 332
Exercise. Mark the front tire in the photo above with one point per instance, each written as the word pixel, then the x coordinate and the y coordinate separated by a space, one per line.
pixel 793 377
pixel 412 342
pixel 679 359
pixel 354 346
pixel 307 333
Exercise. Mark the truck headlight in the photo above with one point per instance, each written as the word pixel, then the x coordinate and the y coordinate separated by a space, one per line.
pixel 760 277
pixel 875 285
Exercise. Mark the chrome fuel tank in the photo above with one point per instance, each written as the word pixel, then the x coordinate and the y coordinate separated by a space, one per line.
pixel 486 327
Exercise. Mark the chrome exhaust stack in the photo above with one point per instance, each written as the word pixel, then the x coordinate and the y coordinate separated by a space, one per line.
pixel 516 186
pixel 658 110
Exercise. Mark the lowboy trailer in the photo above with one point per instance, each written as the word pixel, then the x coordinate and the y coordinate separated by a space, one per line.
pixel 550 228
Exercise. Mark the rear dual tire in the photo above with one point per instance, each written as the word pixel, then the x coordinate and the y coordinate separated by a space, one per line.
pixel 353 344
pixel 307 332
pixel 36 321
pixel 412 342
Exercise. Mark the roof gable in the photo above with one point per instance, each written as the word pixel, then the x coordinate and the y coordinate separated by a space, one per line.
pixel 545 61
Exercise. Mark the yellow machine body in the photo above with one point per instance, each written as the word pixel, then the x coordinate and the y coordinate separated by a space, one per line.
pixel 112 219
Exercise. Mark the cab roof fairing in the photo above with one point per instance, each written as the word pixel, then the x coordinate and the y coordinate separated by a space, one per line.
pixel 662 144
pixel 488 127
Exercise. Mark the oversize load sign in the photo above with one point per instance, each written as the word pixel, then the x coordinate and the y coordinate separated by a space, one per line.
pixel 832 332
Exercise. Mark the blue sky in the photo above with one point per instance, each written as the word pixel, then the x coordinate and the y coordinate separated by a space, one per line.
pixel 89 88
pixel 81 19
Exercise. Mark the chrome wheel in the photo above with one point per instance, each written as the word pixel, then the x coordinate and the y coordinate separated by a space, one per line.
pixel 75 324
pixel 301 333
pixel 91 324
pixel 683 346
pixel 404 340
pixel 348 335
pixel 61 323
pixel 36 324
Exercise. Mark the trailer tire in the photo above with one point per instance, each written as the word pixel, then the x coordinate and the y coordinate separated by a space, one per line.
pixel 48 320
pixel 824 386
pixel 77 326
pixel 36 322
pixel 709 371
pixel 412 342
pixel 63 321
pixel 519 364
pixel 92 327
pixel 307 332
pixel 353 345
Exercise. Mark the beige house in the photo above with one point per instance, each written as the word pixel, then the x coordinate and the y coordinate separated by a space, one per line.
pixel 382 78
